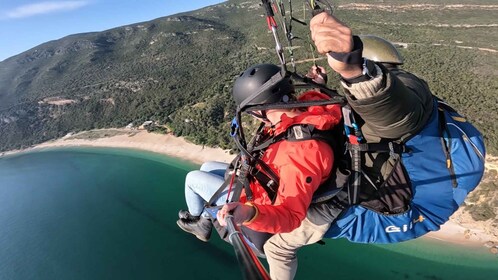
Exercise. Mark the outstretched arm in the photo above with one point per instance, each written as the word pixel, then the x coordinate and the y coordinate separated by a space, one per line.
pixel 392 104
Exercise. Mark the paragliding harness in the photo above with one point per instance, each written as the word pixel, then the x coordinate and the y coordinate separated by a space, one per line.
pixel 433 171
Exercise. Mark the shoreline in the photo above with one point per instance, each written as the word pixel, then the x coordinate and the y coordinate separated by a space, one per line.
pixel 460 230
pixel 165 144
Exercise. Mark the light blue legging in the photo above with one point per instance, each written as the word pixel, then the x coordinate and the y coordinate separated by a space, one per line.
pixel 200 185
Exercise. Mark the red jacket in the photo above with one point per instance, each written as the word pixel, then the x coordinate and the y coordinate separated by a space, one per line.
pixel 302 167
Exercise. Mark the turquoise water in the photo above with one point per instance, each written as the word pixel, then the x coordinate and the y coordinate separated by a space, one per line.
pixel 111 214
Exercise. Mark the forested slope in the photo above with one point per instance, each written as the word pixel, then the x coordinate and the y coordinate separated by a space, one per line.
pixel 178 70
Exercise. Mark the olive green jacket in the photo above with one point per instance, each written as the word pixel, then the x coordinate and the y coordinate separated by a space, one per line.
pixel 394 105
pixel 397 105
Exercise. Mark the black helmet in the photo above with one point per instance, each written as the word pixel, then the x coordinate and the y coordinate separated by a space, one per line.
pixel 380 50
pixel 262 84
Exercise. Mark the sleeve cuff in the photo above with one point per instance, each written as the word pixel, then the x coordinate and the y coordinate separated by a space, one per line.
pixel 366 89
pixel 256 213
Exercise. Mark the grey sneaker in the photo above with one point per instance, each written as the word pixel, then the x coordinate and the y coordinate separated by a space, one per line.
pixel 200 227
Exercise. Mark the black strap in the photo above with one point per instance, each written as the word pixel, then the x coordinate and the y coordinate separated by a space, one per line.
pixel 443 129
pixel 267 179
pixel 352 130
pixel 296 104
pixel 298 132
pixel 216 195
pixel 240 182
pixel 354 56
pixel 265 144
pixel 394 149
pixel 355 183
pixel 388 147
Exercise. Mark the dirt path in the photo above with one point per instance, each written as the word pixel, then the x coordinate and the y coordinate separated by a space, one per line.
pixel 420 7
pixel 442 25
pixel 405 45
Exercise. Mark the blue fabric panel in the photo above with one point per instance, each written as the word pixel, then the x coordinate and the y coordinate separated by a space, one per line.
pixel 362 225
pixel 435 198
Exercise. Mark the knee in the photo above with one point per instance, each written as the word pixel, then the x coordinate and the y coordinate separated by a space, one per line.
pixel 207 166
pixel 276 252
pixel 273 248
pixel 269 248
pixel 211 165
pixel 192 177
pixel 214 166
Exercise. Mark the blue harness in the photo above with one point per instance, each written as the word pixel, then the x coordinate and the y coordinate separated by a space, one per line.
pixel 444 162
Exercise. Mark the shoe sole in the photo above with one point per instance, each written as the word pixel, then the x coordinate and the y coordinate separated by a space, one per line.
pixel 201 238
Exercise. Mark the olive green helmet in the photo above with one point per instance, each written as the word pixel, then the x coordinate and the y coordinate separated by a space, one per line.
pixel 380 50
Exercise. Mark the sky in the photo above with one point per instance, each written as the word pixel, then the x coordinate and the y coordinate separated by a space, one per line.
pixel 25 24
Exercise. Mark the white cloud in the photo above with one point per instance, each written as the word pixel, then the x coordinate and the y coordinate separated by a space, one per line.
pixel 44 8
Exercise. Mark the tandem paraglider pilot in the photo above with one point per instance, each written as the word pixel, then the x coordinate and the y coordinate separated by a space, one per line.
pixel 355 170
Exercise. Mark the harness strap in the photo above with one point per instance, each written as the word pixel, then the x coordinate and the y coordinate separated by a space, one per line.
pixel 389 147
pixel 443 130
pixel 268 180
pixel 242 182
pixel 335 99
pixel 243 178
pixel 217 193
pixel 264 145
pixel 355 136
pixel 228 181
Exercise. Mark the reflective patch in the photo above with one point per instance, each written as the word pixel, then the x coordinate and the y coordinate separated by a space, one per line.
pixel 298 132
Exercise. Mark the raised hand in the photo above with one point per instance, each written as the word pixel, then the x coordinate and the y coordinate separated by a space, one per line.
pixel 331 35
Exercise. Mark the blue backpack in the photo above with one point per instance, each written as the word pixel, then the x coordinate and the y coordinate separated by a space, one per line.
pixel 441 165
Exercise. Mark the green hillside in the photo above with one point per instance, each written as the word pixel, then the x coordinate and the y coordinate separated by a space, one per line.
pixel 178 70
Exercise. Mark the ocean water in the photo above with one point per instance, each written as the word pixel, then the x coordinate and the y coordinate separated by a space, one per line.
pixel 91 213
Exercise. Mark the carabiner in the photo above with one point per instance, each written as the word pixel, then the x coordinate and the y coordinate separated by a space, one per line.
pixel 234 127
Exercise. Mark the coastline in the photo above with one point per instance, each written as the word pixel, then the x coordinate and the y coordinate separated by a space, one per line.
pixel 164 144
pixel 460 230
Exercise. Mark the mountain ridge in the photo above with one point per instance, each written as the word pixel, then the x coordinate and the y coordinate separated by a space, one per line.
pixel 158 69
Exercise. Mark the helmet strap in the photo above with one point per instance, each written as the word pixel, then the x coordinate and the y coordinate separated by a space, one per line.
pixel 261 116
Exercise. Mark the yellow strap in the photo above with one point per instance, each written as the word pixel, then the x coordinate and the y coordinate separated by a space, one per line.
pixel 459 119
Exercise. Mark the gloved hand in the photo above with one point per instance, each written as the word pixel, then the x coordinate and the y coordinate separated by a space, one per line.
pixel 241 213
pixel 331 35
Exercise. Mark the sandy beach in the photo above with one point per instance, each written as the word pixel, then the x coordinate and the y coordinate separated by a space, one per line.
pixel 142 140
pixel 460 229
